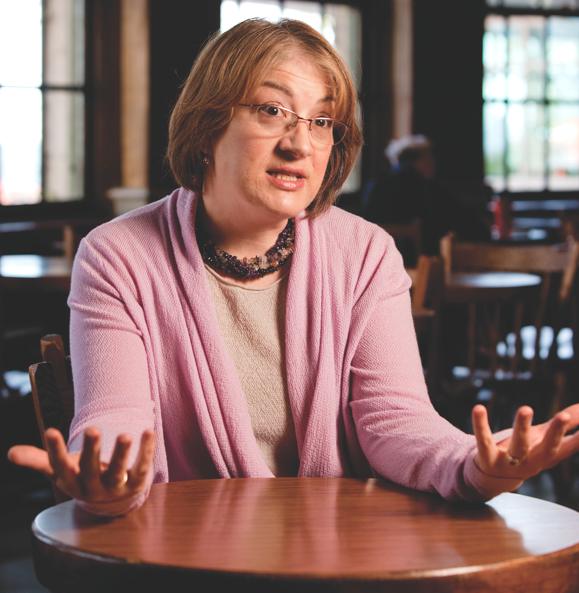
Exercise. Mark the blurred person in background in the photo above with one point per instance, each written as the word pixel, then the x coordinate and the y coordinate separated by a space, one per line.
pixel 409 190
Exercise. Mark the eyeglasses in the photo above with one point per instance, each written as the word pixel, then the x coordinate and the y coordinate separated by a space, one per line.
pixel 325 131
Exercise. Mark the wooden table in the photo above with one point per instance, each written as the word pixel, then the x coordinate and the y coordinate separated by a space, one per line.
pixel 71 230
pixel 306 535
pixel 489 286
pixel 35 272
pixel 491 289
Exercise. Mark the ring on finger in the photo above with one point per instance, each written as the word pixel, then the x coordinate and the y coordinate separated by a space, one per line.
pixel 124 479
pixel 512 460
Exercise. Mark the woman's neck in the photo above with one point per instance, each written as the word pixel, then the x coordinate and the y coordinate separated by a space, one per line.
pixel 242 241
pixel 239 237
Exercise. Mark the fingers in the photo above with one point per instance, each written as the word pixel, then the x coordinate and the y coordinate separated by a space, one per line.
pixel 569 446
pixel 554 436
pixel 487 449
pixel 90 463
pixel 64 466
pixel 32 458
pixel 573 411
pixel 139 471
pixel 115 475
pixel 520 441
pixel 90 479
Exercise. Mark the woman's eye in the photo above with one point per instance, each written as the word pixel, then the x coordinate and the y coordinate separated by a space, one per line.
pixel 271 110
pixel 323 122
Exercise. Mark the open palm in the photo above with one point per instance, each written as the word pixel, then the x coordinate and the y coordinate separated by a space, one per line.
pixel 83 475
pixel 530 449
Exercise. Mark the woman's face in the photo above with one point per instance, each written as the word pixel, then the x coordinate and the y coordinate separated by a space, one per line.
pixel 257 178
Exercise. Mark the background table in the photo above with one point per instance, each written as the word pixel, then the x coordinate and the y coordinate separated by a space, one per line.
pixel 469 287
pixel 310 534
pixel 35 272
pixel 490 289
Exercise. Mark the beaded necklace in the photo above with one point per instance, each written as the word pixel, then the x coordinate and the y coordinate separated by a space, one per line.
pixel 247 268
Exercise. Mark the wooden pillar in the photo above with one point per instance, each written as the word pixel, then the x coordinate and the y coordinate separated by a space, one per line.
pixel 134 93
pixel 402 71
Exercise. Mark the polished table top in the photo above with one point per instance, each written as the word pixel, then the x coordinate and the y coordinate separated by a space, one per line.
pixel 481 286
pixel 310 534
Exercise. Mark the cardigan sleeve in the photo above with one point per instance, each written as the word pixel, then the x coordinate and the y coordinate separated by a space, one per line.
pixel 110 370
pixel 402 436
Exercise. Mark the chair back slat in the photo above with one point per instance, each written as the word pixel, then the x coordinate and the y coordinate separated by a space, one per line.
pixel 428 283
pixel 50 408
pixel 560 258
pixel 427 290
pixel 552 305
pixel 52 391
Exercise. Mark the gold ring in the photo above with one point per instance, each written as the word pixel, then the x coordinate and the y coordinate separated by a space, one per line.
pixel 125 479
pixel 514 461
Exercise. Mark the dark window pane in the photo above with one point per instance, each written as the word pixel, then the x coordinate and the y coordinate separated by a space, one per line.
pixel 20 146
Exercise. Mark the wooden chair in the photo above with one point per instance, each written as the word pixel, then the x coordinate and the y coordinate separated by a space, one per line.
pixel 427 289
pixel 556 265
pixel 570 225
pixel 52 391
pixel 14 339
pixel 408 239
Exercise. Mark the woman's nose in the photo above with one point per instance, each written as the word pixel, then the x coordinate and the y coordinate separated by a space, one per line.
pixel 297 139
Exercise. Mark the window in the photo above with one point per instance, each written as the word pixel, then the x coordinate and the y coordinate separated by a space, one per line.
pixel 42 101
pixel 340 24
pixel 531 95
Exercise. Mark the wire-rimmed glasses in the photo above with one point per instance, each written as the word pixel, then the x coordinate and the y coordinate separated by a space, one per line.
pixel 324 131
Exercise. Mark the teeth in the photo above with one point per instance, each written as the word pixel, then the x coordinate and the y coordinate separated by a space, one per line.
pixel 285 177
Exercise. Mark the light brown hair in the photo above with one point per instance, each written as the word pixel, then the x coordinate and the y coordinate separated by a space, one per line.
pixel 227 69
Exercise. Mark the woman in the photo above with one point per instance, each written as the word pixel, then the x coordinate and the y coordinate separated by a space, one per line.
pixel 301 360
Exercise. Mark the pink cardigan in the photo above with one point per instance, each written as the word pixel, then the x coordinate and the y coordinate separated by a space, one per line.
pixel 147 352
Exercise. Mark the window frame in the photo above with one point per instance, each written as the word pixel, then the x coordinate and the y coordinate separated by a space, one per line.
pixel 508 11
pixel 101 117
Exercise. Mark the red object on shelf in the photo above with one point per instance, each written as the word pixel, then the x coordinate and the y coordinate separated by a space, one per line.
pixel 502 221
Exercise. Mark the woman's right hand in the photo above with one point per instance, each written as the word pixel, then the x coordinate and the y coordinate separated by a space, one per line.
pixel 83 475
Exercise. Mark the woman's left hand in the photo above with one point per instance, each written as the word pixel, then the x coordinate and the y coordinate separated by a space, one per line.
pixel 530 449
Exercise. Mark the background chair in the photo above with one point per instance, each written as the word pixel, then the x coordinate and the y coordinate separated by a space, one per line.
pixel 408 239
pixel 427 288
pixel 52 391
pixel 513 351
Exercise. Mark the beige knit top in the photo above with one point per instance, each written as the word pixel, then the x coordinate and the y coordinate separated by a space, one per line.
pixel 252 322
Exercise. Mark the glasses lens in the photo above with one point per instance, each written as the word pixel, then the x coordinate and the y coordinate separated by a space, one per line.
pixel 272 117
pixel 327 131
pixel 324 131
pixel 339 132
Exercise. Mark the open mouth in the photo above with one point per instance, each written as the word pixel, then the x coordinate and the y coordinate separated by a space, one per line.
pixel 285 175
